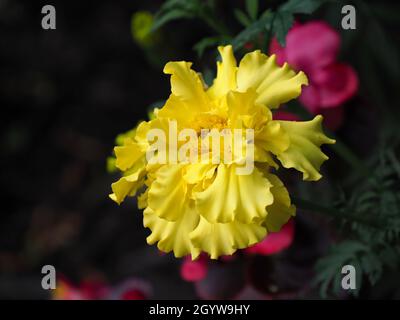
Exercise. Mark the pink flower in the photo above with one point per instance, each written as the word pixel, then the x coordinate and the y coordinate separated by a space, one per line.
pixel 131 289
pixel 194 270
pixel 313 48
pixel 274 242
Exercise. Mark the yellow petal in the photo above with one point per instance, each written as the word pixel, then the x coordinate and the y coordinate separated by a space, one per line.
pixel 186 84
pixel 281 210
pixel 272 138
pixel 225 238
pixel 141 132
pixel 172 235
pixel 304 153
pixel 128 154
pixel 142 199
pixel 226 73
pixel 274 84
pixel 234 197
pixel 179 110
pixel 167 192
pixel 243 110
pixel 130 183
pixel 197 172
pixel 261 155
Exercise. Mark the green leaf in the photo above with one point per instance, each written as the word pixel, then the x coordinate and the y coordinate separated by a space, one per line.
pixel 242 17
pixel 205 43
pixel 252 8
pixel 282 23
pixel 171 4
pixel 303 6
pixel 252 31
pixel 329 267
pixel 174 14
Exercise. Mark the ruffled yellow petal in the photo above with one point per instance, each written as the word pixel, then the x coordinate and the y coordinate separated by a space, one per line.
pixel 281 210
pixel 175 108
pixel 272 138
pixel 274 84
pixel 172 235
pixel 167 193
pixel 128 154
pixel 261 155
pixel 187 85
pixel 304 153
pixel 141 133
pixel 233 197
pixel 197 172
pixel 129 184
pixel 226 73
pixel 243 111
pixel 142 199
pixel 225 238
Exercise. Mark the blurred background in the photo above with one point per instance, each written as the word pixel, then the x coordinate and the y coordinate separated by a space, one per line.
pixel 67 93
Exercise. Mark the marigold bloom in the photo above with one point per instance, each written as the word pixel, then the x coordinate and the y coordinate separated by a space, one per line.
pixel 204 207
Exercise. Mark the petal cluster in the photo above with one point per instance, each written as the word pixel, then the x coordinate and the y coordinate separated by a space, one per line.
pixel 205 206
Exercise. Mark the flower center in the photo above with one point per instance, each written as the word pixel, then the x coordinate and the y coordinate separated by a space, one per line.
pixel 209 121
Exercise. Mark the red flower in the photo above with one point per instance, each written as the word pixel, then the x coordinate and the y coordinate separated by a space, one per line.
pixel 313 48
pixel 274 242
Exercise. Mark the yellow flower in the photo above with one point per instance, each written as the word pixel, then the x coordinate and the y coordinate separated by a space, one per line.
pixel 194 207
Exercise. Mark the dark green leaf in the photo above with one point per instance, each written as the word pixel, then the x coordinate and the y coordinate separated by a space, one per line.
pixel 282 23
pixel 242 17
pixel 169 16
pixel 252 31
pixel 252 8
pixel 301 6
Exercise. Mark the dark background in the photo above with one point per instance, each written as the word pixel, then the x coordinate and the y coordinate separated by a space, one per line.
pixel 65 94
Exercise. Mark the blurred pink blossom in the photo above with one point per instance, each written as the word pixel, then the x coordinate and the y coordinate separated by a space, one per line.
pixel 313 48
pixel 274 242
pixel 194 270
pixel 96 289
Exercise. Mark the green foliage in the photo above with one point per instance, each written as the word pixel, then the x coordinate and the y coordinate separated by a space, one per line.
pixel 329 268
pixel 283 21
pixel 303 6
pixel 372 249
pixel 255 25
pixel 182 9
pixel 242 17
pixel 252 31
pixel 252 8
pixel 276 23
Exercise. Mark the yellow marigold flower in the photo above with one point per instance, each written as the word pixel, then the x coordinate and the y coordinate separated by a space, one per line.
pixel 194 207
